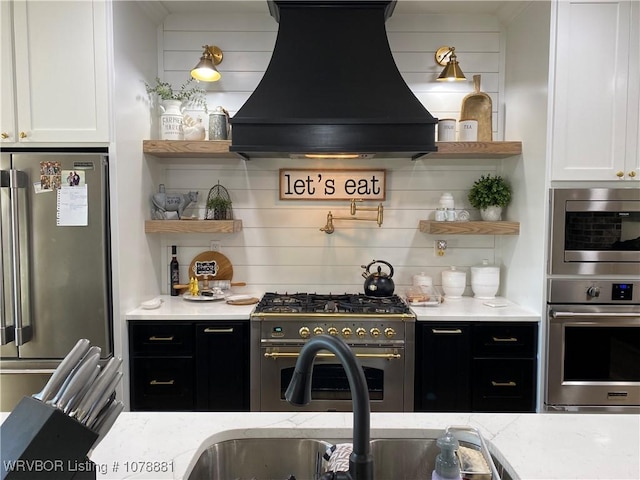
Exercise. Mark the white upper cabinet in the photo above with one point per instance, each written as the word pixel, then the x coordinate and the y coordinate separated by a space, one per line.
pixel 54 72
pixel 595 91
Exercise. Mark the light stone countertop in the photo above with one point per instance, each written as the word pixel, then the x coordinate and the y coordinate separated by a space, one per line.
pixel 535 446
pixel 464 309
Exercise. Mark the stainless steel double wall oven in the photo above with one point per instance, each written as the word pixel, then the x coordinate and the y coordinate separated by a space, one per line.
pixel 379 330
pixel 593 297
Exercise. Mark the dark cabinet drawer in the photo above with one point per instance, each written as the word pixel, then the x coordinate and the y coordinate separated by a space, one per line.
pixel 504 340
pixel 162 384
pixel 161 338
pixel 503 386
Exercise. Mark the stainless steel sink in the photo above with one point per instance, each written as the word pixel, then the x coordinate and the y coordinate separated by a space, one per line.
pixel 301 458
pixel 261 459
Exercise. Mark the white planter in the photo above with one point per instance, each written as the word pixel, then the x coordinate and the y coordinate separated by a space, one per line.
pixel 491 213
pixel 171 120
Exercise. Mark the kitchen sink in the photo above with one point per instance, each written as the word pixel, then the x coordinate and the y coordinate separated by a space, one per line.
pixel 408 458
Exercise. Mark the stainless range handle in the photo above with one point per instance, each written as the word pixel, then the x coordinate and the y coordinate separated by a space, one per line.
pixel 387 356
pixel 594 315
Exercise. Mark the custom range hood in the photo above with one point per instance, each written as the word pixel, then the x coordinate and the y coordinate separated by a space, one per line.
pixel 332 87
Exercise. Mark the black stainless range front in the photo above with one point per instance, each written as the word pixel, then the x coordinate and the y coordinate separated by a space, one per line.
pixel 379 330
pixel 593 345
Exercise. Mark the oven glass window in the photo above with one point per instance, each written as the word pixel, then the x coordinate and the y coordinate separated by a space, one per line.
pixel 330 382
pixel 602 354
pixel 602 231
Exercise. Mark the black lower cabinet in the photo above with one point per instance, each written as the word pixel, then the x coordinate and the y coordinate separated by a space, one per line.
pixel 222 359
pixel 189 366
pixel 476 367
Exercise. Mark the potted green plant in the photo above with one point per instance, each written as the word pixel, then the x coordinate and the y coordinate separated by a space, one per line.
pixel 221 208
pixel 187 94
pixel 490 194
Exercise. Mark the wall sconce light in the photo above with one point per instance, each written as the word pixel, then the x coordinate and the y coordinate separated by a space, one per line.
pixel 446 56
pixel 205 70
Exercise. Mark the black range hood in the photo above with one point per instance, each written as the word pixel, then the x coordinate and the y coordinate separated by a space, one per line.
pixel 332 86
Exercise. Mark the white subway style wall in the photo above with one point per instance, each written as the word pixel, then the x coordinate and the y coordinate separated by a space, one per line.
pixel 281 246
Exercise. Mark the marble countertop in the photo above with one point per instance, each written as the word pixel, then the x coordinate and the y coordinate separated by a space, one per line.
pixel 534 446
pixel 463 309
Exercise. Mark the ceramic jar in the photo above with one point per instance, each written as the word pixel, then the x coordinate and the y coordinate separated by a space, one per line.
pixel 171 120
pixel 485 280
pixel 453 282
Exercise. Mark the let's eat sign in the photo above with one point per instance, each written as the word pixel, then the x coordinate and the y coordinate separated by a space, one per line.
pixel 332 184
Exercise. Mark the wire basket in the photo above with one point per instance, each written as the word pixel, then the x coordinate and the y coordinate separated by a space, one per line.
pixel 218 204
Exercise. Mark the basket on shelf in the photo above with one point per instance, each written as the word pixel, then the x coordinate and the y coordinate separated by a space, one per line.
pixel 218 204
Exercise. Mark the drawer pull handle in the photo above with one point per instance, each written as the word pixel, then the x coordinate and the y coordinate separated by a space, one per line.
pixel 503 384
pixel 161 382
pixel 218 330
pixel 507 339
pixel 455 331
pixel 153 338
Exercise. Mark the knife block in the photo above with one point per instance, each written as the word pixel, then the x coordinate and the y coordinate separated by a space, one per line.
pixel 41 442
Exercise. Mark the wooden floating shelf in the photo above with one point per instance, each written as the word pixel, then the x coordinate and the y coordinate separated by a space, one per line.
pixel 188 149
pixel 469 228
pixel 220 149
pixel 192 226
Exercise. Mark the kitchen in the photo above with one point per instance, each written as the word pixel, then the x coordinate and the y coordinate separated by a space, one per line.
pixel 269 246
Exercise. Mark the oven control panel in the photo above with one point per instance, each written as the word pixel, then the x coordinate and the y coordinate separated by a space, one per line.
pixel 622 291
pixel 594 291
pixel 369 331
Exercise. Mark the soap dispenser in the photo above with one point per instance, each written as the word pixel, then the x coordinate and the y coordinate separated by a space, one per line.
pixel 447 465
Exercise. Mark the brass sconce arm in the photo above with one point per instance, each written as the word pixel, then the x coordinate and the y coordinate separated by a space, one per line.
pixel 329 228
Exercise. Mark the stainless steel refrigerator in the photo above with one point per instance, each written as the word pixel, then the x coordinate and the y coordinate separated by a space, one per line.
pixel 55 282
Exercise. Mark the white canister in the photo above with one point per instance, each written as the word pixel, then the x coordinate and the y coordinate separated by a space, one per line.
pixel 446 201
pixel 171 120
pixel 468 131
pixel 453 282
pixel 422 280
pixel 485 280
pixel 447 130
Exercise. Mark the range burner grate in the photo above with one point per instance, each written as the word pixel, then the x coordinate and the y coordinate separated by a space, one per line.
pixel 331 303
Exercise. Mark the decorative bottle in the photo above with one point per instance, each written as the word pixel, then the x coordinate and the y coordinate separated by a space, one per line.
pixel 174 272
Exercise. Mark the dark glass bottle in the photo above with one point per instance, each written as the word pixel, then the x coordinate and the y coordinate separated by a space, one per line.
pixel 174 272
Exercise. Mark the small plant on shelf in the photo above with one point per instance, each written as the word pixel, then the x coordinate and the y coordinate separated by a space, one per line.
pixel 490 195
pixel 218 204
pixel 188 94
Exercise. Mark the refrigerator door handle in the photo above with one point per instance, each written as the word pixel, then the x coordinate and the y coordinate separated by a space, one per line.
pixel 7 332
pixel 17 180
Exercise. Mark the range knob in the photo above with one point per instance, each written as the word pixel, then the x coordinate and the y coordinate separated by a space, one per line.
pixel 304 332
pixel 318 331
pixel 346 332
pixel 389 332
pixel 332 331
pixel 593 292
pixel 361 332
pixel 375 332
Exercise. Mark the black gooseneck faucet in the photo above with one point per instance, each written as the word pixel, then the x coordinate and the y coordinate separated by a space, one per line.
pixel 299 393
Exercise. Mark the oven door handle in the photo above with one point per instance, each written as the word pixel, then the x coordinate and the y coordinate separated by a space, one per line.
pixel 555 314
pixel 276 355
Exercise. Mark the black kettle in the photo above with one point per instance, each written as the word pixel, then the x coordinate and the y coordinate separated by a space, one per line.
pixel 378 284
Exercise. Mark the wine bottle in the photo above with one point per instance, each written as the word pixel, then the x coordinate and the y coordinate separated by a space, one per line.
pixel 174 273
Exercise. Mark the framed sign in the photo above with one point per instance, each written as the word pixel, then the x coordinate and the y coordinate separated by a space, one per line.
pixel 332 184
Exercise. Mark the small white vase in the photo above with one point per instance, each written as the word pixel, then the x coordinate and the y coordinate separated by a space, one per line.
pixel 492 213
pixel 171 120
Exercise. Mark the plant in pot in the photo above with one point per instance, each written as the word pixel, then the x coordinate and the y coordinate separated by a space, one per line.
pixel 490 194
pixel 221 208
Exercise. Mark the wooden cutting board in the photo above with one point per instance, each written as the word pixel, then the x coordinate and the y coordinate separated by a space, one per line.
pixel 477 106
pixel 210 265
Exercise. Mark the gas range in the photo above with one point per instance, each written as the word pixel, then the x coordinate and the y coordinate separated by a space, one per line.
pixel 330 304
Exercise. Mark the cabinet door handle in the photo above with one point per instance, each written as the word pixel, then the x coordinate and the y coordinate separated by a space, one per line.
pixel 505 339
pixel 154 338
pixel 218 330
pixel 162 382
pixel 455 331
pixel 503 384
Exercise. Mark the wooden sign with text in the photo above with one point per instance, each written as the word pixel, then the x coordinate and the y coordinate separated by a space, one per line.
pixel 332 184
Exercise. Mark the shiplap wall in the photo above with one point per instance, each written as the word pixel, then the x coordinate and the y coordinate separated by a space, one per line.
pixel 281 247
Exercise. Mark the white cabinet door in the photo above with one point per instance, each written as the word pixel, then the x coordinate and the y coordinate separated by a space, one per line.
pixel 7 101
pixel 60 71
pixel 590 90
